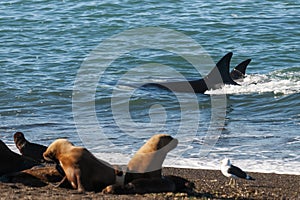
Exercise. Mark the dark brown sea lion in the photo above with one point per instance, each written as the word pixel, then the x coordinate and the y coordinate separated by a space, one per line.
pixel 12 162
pixel 142 186
pixel 147 162
pixel 26 148
pixel 35 177
pixel 83 170
pixel 168 183
pixel 33 150
pixel 181 184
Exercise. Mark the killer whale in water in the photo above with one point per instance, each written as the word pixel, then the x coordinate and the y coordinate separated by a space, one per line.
pixel 216 78
pixel 240 70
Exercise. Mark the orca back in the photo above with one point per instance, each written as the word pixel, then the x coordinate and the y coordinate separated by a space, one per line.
pixel 219 75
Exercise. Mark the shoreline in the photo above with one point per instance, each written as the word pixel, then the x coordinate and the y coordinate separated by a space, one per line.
pixel 209 184
pixel 249 171
pixel 211 166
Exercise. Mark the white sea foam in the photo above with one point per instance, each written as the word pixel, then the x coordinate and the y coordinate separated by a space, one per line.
pixel 258 83
pixel 262 166
pixel 13 147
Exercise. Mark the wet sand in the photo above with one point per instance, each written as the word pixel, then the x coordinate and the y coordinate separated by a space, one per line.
pixel 209 184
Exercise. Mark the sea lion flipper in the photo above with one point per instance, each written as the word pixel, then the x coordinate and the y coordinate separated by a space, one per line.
pixel 63 183
pixel 60 169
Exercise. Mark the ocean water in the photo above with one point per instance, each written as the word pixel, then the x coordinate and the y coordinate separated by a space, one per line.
pixel 71 69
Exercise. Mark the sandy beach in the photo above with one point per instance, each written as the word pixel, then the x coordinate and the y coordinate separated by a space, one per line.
pixel 209 184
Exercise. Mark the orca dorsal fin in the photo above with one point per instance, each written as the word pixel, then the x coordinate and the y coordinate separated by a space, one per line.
pixel 240 70
pixel 220 71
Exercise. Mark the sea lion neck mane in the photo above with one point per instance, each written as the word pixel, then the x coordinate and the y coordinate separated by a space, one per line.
pixel 64 146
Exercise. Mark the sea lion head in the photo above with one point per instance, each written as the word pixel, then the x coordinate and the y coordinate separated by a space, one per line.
pixel 57 147
pixel 20 140
pixel 152 153
pixel 163 142
pixel 166 141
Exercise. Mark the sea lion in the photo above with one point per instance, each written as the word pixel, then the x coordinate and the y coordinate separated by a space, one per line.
pixel 181 184
pixel 147 162
pixel 142 186
pixel 12 162
pixel 169 183
pixel 83 170
pixel 35 176
pixel 34 151
pixel 26 148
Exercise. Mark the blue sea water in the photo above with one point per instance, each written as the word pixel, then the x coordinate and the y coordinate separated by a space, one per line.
pixel 47 45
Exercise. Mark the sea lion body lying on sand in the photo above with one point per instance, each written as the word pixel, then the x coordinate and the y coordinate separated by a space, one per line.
pixel 142 186
pixel 12 162
pixel 168 183
pixel 83 170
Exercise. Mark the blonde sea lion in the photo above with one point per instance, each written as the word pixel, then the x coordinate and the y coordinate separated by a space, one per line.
pixel 12 162
pixel 147 162
pixel 83 170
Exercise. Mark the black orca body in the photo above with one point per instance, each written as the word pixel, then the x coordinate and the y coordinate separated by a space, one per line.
pixel 217 77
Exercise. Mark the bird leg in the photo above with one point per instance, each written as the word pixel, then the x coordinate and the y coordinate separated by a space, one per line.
pixel 230 182
pixel 234 182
